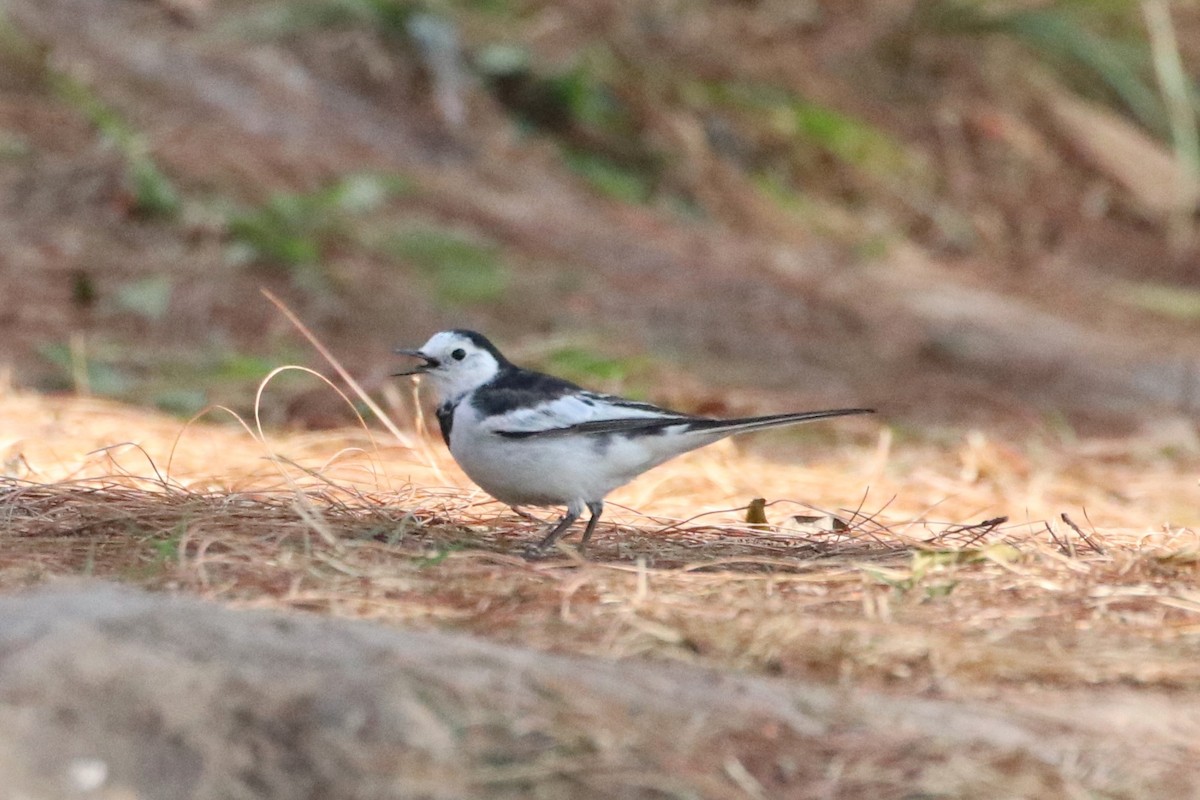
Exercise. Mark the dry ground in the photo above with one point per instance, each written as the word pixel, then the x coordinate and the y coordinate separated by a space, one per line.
pixel 1083 636
pixel 926 590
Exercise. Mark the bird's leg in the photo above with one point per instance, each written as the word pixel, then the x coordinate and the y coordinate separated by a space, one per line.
pixel 523 514
pixel 597 508
pixel 555 533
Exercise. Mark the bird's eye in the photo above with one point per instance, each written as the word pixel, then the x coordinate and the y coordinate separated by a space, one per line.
pixel 459 354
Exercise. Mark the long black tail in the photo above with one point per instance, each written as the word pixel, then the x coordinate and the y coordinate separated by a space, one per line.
pixel 772 420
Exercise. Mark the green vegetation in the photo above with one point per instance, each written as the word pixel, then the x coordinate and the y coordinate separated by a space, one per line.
pixel 1093 44
pixel 167 550
pixel 1175 302
pixel 933 570
pixel 83 289
pixel 289 231
pixel 461 270
pixel 437 556
pixel 851 141
pixel 631 375
pixel 12 146
pixel 296 232
pixel 181 383
pixel 104 377
pixel 610 177
pixel 147 297
pixel 184 386
pixel 580 96
pixel 588 100
pixel 582 364
pixel 154 563
pixel 492 8
pixel 389 18
pixel 153 194
pixel 19 55
pixel 579 107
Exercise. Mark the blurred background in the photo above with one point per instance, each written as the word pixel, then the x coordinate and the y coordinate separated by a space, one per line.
pixel 963 213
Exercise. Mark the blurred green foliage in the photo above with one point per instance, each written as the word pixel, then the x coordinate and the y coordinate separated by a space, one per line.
pixel 289 230
pixel 1093 44
pixel 580 108
pixel 493 8
pixel 13 146
pixel 20 55
pixel 295 232
pixel 107 378
pixel 461 270
pixel 609 177
pixel 586 99
pixel 182 384
pixel 83 289
pixel 153 193
pixel 147 297
pixel 389 18
pixel 555 100
pixel 591 368
pixel 852 141
pixel 1175 302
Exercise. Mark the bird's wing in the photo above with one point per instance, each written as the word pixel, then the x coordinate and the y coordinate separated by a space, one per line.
pixel 601 426
pixel 684 424
pixel 582 413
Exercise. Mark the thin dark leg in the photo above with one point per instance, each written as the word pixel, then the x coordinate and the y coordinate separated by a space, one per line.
pixel 523 514
pixel 597 508
pixel 557 531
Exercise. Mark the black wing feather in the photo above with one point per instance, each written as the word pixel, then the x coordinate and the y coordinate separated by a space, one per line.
pixel 659 424
pixel 604 426
pixel 519 388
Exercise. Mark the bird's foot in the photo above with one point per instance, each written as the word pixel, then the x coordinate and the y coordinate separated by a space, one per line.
pixel 534 552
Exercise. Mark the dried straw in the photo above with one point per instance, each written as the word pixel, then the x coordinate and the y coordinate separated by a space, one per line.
pixel 954 563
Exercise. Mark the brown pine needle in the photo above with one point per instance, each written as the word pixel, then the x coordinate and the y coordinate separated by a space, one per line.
pixel 341 371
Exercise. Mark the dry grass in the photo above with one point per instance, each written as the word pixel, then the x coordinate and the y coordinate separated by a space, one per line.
pixel 350 525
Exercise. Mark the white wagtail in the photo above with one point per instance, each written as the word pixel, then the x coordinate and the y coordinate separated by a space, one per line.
pixel 530 439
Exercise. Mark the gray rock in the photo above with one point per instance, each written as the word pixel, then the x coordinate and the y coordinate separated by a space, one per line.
pixel 113 693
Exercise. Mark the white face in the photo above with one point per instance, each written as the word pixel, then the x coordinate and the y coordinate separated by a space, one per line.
pixel 454 364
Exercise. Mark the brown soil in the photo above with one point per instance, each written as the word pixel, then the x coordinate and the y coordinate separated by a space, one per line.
pixel 932 645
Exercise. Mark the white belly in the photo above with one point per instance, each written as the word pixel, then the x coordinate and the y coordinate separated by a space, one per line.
pixel 550 471
pixel 557 470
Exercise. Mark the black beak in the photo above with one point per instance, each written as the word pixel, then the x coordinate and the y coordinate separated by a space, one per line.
pixel 430 363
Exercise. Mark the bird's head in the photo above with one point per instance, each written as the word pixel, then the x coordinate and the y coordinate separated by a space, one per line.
pixel 456 362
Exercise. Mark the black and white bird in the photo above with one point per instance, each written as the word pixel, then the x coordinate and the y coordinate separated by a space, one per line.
pixel 531 439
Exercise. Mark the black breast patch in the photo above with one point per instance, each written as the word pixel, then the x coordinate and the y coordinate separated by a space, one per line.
pixel 445 418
